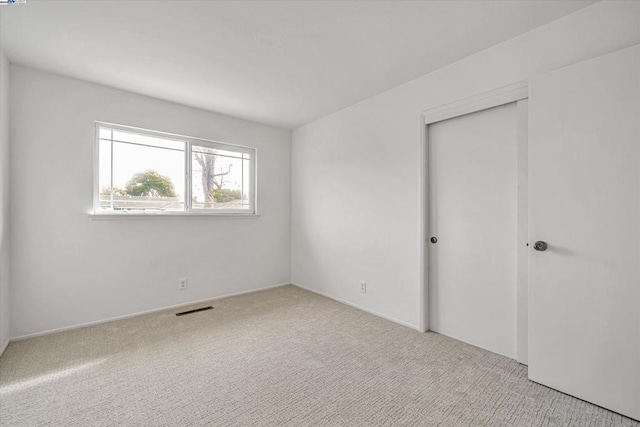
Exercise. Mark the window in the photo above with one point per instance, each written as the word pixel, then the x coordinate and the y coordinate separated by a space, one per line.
pixel 145 172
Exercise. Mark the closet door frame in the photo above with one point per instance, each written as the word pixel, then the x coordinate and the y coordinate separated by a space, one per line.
pixel 518 93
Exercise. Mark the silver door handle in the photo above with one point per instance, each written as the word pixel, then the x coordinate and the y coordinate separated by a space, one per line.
pixel 540 246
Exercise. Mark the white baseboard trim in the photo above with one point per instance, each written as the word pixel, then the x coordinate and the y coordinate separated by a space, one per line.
pixel 140 313
pixel 4 347
pixel 359 307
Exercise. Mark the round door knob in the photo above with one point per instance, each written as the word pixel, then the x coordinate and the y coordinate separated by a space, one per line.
pixel 540 246
pixel 434 239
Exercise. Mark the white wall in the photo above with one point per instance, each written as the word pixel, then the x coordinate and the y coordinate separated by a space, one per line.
pixel 356 212
pixel 68 269
pixel 4 203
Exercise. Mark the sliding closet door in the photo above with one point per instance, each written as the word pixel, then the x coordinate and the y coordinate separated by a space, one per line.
pixel 584 288
pixel 473 226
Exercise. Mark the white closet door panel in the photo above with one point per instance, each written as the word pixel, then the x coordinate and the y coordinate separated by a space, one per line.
pixel 584 290
pixel 473 213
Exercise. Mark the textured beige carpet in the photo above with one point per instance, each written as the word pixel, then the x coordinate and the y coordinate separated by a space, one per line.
pixel 283 357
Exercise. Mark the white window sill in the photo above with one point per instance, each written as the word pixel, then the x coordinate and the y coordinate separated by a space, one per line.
pixel 169 215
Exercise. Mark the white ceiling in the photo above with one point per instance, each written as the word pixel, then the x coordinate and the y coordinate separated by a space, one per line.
pixel 283 63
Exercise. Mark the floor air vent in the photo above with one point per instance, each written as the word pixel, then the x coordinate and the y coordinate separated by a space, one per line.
pixel 182 313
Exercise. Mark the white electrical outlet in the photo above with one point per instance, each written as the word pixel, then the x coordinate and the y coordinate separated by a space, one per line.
pixel 363 287
pixel 182 284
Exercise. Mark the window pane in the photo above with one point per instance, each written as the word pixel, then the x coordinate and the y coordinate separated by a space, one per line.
pixel 153 141
pixel 104 169
pixel 219 152
pixel 219 179
pixel 146 178
pixel 105 133
pixel 246 179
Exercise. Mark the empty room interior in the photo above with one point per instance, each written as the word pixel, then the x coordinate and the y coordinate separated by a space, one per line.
pixel 320 213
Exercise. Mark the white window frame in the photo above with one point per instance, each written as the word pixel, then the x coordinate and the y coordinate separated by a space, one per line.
pixel 188 202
